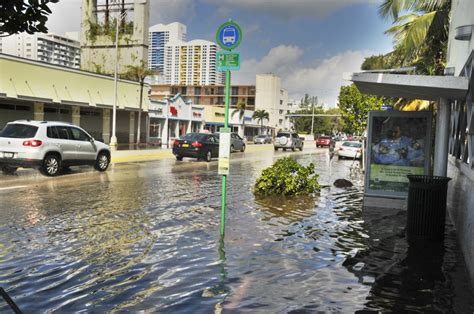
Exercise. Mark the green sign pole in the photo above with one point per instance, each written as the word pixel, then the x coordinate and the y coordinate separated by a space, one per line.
pixel 226 125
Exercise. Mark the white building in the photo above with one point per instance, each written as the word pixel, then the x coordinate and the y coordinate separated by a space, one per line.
pixel 273 99
pixel 50 48
pixel 158 36
pixel 191 63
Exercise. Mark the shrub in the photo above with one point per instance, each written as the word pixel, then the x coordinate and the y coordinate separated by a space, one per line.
pixel 287 177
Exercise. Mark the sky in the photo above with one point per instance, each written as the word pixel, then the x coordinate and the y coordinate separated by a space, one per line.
pixel 308 43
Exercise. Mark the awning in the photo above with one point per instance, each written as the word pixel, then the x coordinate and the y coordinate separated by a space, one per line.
pixel 411 86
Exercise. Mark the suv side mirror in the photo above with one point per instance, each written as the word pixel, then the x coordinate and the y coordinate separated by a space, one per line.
pixel 91 139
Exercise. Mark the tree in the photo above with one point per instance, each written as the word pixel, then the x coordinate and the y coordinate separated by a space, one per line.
pixel 139 73
pixel 261 115
pixel 355 106
pixel 421 35
pixel 241 111
pixel 17 16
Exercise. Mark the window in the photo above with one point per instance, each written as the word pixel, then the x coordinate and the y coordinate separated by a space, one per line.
pixel 52 132
pixel 63 132
pixel 19 131
pixel 79 135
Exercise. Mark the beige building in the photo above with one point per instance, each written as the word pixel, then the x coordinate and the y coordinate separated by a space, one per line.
pixel 271 97
pixel 207 95
pixel 98 35
pixel 70 95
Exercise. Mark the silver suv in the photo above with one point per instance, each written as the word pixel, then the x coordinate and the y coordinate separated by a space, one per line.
pixel 49 146
pixel 288 140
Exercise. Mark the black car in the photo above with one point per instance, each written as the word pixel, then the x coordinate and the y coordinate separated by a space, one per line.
pixel 196 145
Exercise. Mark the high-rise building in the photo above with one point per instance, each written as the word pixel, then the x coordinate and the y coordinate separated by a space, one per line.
pixel 158 36
pixel 50 48
pixel 191 63
pixel 273 99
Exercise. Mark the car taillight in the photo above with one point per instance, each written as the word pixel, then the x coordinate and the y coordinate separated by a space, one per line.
pixel 32 143
pixel 196 144
pixel 175 143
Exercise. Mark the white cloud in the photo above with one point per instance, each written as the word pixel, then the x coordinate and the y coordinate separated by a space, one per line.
pixel 323 79
pixel 285 8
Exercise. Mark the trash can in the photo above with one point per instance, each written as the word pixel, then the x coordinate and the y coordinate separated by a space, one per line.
pixel 426 209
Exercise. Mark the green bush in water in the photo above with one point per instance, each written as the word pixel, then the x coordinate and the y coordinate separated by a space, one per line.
pixel 287 177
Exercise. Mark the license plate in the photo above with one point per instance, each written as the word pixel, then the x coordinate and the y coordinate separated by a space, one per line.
pixel 8 155
pixel 185 145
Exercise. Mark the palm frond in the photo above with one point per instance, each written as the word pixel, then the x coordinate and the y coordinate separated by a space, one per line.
pixel 392 8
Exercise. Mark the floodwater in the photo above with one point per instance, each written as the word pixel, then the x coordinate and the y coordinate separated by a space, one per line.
pixel 146 237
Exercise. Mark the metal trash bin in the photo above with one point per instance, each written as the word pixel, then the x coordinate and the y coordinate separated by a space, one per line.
pixel 426 209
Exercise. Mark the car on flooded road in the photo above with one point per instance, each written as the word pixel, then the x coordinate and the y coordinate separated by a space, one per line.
pixel 237 144
pixel 49 147
pixel 288 140
pixel 262 139
pixel 350 149
pixel 203 146
pixel 324 141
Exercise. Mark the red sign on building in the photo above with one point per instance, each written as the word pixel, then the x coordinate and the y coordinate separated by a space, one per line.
pixel 173 111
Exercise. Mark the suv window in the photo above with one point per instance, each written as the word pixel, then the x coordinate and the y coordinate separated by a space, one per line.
pixel 79 135
pixel 19 131
pixel 52 132
pixel 295 135
pixel 283 134
pixel 63 132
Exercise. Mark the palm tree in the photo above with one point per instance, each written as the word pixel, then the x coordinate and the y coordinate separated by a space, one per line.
pixel 261 115
pixel 139 73
pixel 241 111
pixel 420 35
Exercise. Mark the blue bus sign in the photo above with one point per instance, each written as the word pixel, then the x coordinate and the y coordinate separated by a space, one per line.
pixel 229 35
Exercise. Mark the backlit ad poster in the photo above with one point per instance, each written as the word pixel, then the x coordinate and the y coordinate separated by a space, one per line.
pixel 398 145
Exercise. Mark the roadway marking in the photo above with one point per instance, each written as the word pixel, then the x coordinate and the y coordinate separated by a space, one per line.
pixel 13 187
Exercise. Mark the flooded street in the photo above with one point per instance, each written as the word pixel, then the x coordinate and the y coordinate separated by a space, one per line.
pixel 145 236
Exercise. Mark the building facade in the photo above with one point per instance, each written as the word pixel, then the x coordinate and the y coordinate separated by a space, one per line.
pixel 83 98
pixel 272 98
pixel 99 24
pixel 50 48
pixel 191 63
pixel 207 95
pixel 158 36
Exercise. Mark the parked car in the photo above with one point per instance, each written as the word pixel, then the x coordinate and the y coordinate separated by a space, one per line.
pixel 324 141
pixel 236 142
pixel 196 145
pixel 49 146
pixel 350 149
pixel 262 139
pixel 288 140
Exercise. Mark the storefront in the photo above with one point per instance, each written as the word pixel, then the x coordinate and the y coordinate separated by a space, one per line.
pixel 214 117
pixel 173 118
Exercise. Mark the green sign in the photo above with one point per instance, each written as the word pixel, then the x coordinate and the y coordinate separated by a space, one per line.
pixel 228 61
pixel 229 35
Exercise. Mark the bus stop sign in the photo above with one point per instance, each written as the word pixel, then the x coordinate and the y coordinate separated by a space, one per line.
pixel 229 35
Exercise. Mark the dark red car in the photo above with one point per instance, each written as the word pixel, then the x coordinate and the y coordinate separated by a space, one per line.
pixel 324 141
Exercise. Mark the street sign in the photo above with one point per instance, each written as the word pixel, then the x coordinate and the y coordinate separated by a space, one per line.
pixel 224 151
pixel 228 61
pixel 229 35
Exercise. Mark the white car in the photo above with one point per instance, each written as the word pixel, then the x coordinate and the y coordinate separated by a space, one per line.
pixel 350 149
pixel 49 146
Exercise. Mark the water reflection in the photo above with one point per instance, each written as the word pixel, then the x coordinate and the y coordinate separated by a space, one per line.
pixel 145 237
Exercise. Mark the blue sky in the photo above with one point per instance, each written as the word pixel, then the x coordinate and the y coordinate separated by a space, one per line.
pixel 308 43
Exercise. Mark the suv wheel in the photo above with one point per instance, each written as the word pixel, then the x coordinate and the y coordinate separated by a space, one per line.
pixel 275 148
pixel 293 148
pixel 301 147
pixel 179 158
pixel 51 165
pixel 243 148
pixel 102 162
pixel 9 170
pixel 208 156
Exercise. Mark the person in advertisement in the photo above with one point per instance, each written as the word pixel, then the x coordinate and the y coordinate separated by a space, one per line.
pixel 398 150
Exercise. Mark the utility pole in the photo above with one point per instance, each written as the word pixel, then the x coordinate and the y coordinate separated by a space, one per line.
pixel 312 116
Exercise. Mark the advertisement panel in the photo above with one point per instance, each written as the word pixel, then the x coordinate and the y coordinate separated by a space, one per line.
pixel 398 144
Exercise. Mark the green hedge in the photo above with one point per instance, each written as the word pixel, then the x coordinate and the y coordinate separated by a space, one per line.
pixel 287 177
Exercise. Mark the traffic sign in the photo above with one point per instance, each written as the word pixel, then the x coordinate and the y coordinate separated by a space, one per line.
pixel 228 61
pixel 229 35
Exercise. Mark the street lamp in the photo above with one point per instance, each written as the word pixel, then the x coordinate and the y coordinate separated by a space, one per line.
pixel 113 140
